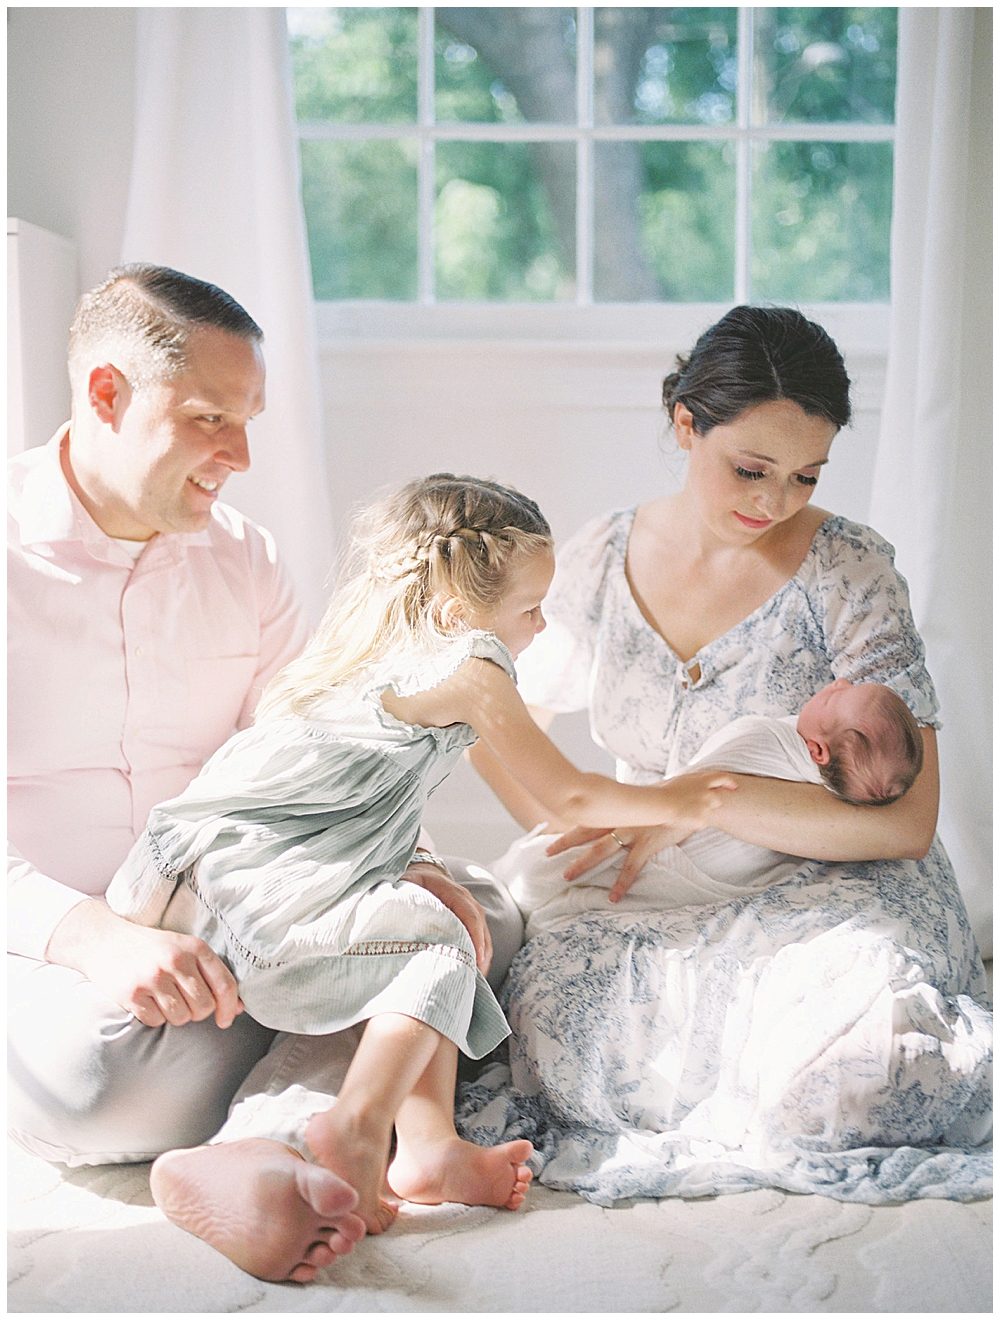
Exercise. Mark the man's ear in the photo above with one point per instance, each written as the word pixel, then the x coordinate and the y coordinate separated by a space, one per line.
pixel 819 751
pixel 108 393
pixel 683 425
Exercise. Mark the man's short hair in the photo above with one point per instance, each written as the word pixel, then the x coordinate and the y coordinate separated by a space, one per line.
pixel 141 318
pixel 875 771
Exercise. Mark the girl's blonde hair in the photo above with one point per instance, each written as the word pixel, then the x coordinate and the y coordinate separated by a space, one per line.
pixel 441 536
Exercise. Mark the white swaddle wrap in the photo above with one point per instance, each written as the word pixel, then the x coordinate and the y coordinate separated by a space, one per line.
pixel 708 867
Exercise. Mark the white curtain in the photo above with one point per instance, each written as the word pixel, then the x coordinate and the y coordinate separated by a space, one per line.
pixel 214 192
pixel 931 495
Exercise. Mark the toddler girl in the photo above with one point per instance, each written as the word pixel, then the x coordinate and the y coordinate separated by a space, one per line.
pixel 285 854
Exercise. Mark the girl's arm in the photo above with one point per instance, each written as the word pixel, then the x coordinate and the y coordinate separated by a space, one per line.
pixel 481 695
pixel 526 809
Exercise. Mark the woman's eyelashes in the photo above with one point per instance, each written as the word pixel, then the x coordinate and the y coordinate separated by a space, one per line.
pixel 755 474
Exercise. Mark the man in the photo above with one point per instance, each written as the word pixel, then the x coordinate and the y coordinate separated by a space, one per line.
pixel 145 619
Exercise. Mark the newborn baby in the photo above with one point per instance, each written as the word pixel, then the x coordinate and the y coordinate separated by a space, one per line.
pixel 860 740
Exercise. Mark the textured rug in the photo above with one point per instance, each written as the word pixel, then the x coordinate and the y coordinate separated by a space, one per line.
pixel 92 1241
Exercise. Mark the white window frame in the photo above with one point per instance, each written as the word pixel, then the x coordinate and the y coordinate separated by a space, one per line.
pixel 864 325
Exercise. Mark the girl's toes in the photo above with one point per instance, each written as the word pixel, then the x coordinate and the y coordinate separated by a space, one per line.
pixel 303 1274
pixel 384 1216
pixel 319 1254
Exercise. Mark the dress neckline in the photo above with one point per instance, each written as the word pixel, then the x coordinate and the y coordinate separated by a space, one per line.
pixel 629 519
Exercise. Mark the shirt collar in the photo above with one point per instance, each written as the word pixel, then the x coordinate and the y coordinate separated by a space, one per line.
pixel 51 512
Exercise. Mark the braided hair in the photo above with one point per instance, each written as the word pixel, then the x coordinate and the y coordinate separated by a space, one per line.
pixel 439 537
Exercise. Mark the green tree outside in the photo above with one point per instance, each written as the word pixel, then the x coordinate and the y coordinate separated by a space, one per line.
pixel 664 226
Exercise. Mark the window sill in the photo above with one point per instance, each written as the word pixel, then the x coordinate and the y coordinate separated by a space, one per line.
pixel 858 328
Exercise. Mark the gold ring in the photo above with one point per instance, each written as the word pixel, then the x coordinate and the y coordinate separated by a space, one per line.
pixel 620 842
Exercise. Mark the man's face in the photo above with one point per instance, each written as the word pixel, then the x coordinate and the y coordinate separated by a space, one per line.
pixel 180 438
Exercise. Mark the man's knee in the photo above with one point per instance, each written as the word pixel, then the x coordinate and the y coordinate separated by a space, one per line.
pixel 502 915
pixel 88 1084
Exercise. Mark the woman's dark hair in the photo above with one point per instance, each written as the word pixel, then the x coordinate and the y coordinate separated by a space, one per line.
pixel 758 355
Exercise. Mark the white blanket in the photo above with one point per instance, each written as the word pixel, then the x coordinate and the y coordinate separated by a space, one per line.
pixel 708 867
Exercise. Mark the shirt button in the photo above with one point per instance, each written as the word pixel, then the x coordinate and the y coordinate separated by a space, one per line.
pixel 139 651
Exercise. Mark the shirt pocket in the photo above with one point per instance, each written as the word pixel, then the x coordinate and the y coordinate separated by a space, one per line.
pixel 217 687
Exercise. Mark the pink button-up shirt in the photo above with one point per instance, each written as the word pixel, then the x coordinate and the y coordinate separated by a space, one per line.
pixel 123 679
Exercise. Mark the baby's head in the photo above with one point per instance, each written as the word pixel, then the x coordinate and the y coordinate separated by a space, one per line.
pixel 865 741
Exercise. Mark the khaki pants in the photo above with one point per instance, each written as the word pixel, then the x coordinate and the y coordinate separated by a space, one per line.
pixel 88 1084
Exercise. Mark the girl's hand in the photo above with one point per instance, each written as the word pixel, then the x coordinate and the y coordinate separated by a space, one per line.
pixel 691 798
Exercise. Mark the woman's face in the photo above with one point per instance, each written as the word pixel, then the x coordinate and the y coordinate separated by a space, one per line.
pixel 756 471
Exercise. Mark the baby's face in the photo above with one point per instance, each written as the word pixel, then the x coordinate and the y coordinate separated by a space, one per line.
pixel 840 706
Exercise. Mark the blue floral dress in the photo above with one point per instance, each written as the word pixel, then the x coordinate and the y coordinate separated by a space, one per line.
pixel 825 1035
pixel 285 855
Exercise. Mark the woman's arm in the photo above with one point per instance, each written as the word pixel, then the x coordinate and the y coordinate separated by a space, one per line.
pixel 805 820
pixel 808 821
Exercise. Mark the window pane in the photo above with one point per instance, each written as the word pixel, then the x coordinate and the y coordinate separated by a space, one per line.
pixel 360 202
pixel 505 65
pixel 824 65
pixel 664 66
pixel 354 66
pixel 821 218
pixel 664 216
pixel 504 220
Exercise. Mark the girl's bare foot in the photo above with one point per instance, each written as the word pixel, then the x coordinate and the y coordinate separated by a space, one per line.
pixel 457 1170
pixel 261 1205
pixel 357 1151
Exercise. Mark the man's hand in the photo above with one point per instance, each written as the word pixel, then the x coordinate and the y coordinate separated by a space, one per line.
pixel 158 975
pixel 458 900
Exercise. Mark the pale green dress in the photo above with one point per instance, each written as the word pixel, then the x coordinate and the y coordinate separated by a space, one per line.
pixel 285 855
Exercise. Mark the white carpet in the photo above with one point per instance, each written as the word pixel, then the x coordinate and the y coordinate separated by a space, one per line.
pixel 92 1241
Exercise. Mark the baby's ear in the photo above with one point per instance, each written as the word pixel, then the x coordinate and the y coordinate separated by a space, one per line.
pixel 819 751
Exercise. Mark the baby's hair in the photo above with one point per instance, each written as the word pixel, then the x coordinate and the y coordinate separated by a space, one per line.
pixel 875 770
pixel 440 536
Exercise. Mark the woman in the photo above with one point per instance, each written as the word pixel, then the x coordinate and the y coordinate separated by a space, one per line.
pixel 795 1038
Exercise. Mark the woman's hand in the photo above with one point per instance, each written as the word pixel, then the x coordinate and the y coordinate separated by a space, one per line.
pixel 692 798
pixel 639 846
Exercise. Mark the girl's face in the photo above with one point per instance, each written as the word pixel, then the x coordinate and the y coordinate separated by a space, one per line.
pixel 754 472
pixel 517 620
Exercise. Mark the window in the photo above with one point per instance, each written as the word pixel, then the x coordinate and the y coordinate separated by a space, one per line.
pixel 596 155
